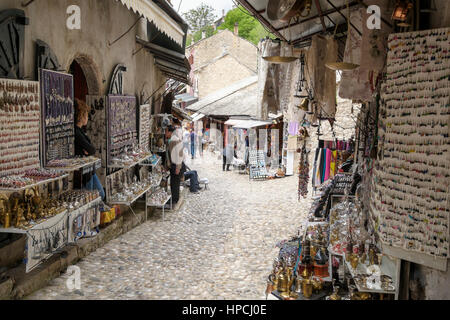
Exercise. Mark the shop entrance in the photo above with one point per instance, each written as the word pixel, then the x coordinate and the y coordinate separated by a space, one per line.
pixel 80 85
pixel 86 76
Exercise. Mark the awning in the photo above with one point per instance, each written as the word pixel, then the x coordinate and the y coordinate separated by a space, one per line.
pixel 197 116
pixel 158 17
pixel 246 124
pixel 187 98
pixel 171 63
pixel 181 113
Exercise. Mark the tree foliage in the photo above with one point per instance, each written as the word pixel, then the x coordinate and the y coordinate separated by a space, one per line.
pixel 209 31
pixel 200 17
pixel 249 27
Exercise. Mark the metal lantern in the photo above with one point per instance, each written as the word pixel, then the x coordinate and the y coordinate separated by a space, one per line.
pixel 301 78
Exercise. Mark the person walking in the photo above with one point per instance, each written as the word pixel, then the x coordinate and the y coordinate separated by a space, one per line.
pixel 192 143
pixel 227 156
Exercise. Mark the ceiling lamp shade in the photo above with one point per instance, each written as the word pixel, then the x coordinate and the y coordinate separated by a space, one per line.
pixel 401 10
pixel 284 10
pixel 343 66
pixel 281 59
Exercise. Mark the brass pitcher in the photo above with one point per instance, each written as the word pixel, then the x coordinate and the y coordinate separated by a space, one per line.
pixel 282 282
pixel 307 288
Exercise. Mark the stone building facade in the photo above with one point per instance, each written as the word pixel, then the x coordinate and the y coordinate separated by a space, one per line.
pixel 92 46
pixel 219 61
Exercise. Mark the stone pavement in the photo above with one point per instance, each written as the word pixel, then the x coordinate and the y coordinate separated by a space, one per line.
pixel 219 245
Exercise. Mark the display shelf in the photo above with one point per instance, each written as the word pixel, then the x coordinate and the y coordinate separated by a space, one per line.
pixel 86 206
pixel 41 225
pixel 160 204
pixel 129 203
pixel 97 163
pixel 33 184
pixel 151 164
pixel 315 296
pixel 362 269
pixel 127 166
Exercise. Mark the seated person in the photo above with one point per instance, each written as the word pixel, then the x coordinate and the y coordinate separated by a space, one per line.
pixel 192 176
pixel 83 145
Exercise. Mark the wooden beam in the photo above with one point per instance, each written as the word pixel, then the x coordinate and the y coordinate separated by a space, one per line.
pixel 319 10
pixel 325 13
pixel 339 11
pixel 261 19
pixel 341 28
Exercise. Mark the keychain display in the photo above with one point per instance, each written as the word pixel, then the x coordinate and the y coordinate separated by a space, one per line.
pixel 122 130
pixel 303 173
pixel 19 126
pixel 144 126
pixel 411 196
pixel 58 129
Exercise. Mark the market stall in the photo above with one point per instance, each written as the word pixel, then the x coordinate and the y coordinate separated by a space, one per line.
pixel 38 166
pixel 380 204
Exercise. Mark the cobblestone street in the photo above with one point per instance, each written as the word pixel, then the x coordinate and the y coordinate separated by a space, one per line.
pixel 219 245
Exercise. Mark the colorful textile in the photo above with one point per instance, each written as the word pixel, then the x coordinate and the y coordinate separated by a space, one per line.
pixel 327 164
pixel 293 128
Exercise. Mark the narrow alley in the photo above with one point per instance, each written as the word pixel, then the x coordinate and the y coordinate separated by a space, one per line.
pixel 219 245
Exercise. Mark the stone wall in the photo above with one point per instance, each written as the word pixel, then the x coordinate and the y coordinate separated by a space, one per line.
pixel 222 60
pixel 220 74
pixel 101 22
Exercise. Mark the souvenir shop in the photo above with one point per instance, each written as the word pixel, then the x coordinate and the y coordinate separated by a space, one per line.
pixel 378 226
pixel 43 200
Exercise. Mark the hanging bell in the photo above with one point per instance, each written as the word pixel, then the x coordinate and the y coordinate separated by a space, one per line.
pixel 304 105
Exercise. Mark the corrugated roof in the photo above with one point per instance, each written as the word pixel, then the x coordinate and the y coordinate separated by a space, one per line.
pixel 237 99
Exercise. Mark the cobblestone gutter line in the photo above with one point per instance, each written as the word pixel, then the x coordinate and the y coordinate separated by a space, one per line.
pixel 19 284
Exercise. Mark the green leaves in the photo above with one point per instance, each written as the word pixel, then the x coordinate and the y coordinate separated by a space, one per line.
pixel 249 27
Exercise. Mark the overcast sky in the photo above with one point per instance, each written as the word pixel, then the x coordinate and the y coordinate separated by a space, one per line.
pixel 219 5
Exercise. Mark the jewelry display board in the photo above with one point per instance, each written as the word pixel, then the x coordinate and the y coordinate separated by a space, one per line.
pixel 58 130
pixel 122 129
pixel 96 130
pixel 19 126
pixel 144 126
pixel 411 199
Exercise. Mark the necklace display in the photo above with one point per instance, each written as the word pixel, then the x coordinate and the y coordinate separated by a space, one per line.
pixel 19 126
pixel 303 173
pixel 122 142
pixel 144 126
pixel 57 115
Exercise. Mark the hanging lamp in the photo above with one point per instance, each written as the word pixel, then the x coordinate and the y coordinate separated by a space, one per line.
pixel 343 66
pixel 282 59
